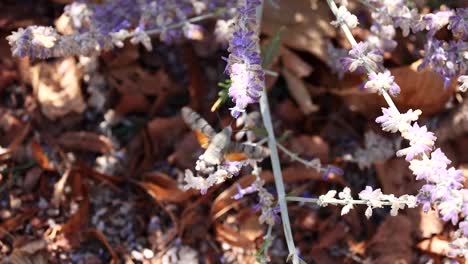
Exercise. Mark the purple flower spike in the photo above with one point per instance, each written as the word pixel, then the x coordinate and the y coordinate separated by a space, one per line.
pixel 244 62
pixel 379 82
pixel 241 192
pixel 330 170
pixel 361 56
pixel 420 141
pixel 458 23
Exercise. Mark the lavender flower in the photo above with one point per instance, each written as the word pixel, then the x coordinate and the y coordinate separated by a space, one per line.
pixel 458 23
pixel 45 42
pixel 464 83
pixel 420 141
pixel 334 57
pixel 394 121
pixel 244 191
pixel 379 82
pixel 343 16
pixel 361 56
pixel 382 37
pixel 447 59
pixel 434 22
pixel 244 61
pixel 425 167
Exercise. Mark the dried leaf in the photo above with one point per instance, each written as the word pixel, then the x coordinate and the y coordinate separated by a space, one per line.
pixel 393 242
pixel 306 28
pixel 419 90
pixel 249 227
pixel 133 79
pixel 299 92
pixel 32 178
pixel 72 230
pixel 164 133
pixel 132 102
pixel 16 142
pixel 40 156
pixel 429 223
pixel 57 88
pixel 295 64
pixel 163 188
pixel 330 237
pixel 435 245
pixel 394 176
pixel 309 147
pixel 185 154
pixel 228 235
pixel 86 141
pixel 16 221
pixel 6 76
pixel 93 232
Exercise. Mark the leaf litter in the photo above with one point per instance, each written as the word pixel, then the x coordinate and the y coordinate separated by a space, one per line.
pixel 100 181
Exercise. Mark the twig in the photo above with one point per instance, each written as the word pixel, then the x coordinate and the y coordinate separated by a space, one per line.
pixel 307 163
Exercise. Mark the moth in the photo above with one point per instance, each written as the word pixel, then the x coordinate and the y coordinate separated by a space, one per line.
pixel 219 146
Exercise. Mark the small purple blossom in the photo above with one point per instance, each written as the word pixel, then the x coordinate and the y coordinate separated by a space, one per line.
pixel 361 56
pixel 379 82
pixel 244 61
pixel 334 57
pixel 425 168
pixel 244 191
pixel 343 16
pixel 332 169
pixel 458 23
pixel 463 225
pixel 464 83
pixel 392 120
pixel 435 21
pixel 420 141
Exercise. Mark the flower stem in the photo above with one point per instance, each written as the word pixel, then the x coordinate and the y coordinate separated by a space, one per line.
pixel 349 36
pixel 275 163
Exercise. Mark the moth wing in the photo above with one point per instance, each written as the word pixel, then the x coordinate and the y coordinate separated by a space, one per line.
pixel 235 156
pixel 241 151
pixel 202 139
pixel 203 131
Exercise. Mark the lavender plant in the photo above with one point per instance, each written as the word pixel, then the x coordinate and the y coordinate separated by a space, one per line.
pixel 99 27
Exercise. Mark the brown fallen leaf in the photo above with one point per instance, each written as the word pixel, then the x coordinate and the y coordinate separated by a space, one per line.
pixel 419 90
pixel 289 113
pixel 15 222
pixel 40 156
pixel 308 147
pixel 393 242
pixel 71 232
pixel 21 136
pixel 295 64
pixel 435 245
pixel 133 79
pixel 249 227
pixel 6 76
pixel 429 224
pixel 85 141
pixel 306 28
pixel 132 102
pixel 57 87
pixel 229 235
pixel 163 188
pixel 299 92
pixel 186 152
pixel 164 133
pixel 95 233
pixel 330 237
